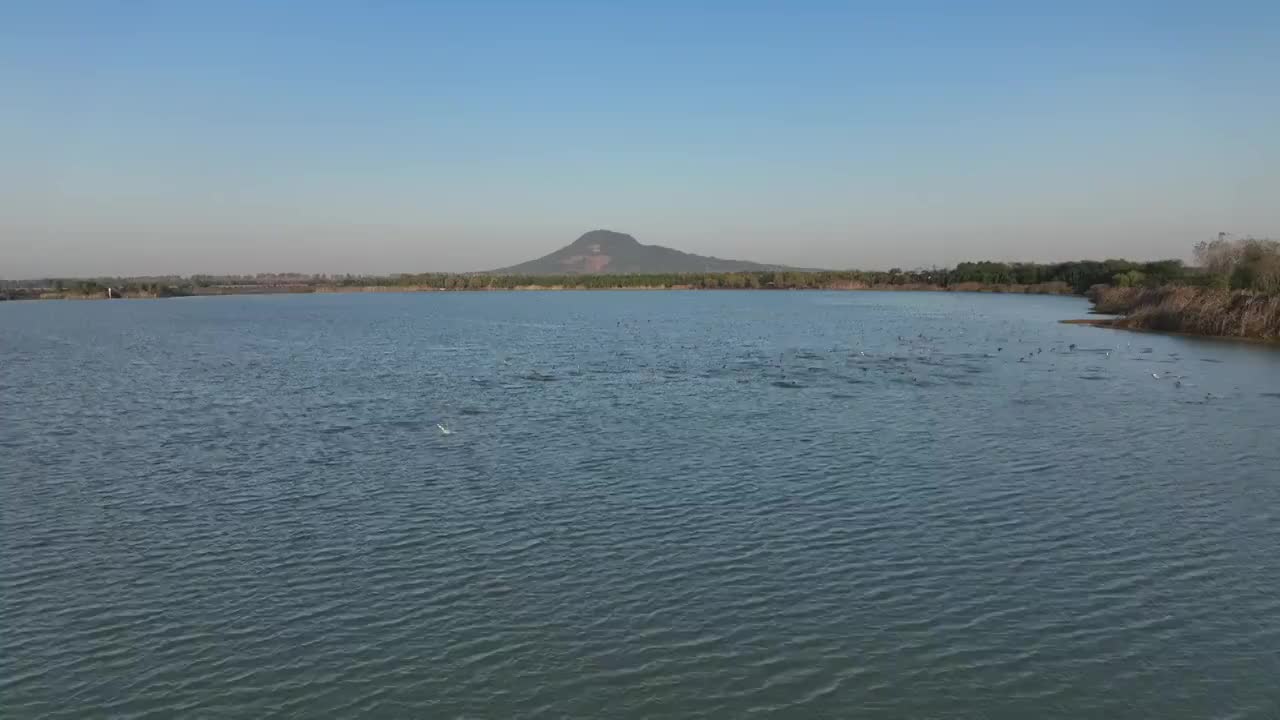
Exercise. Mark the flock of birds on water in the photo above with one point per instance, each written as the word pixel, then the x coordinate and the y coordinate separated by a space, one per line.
pixel 912 343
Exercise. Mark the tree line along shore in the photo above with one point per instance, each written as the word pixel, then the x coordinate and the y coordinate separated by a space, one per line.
pixel 1232 291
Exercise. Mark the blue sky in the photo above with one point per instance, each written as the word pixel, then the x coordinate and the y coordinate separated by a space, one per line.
pixel 386 136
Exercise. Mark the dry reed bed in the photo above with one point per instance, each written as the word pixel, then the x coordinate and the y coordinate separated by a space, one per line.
pixel 1200 311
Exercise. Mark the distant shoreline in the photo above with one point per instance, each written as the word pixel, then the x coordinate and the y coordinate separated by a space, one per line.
pixel 1062 278
pixel 995 289
pixel 1235 293
pixel 1189 311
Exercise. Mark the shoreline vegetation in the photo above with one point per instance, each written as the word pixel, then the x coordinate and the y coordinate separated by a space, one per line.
pixel 1233 291
pixel 1189 311
pixel 1068 278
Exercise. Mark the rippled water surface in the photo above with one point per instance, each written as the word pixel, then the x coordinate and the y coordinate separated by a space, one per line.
pixel 709 504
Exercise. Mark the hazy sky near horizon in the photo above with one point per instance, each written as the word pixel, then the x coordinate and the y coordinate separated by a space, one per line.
pixel 145 137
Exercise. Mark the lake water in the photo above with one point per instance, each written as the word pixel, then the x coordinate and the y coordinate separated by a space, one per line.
pixel 652 504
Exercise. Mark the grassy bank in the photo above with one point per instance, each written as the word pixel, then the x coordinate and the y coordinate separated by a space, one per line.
pixel 1192 310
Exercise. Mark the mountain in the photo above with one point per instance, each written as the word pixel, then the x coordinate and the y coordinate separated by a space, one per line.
pixel 614 253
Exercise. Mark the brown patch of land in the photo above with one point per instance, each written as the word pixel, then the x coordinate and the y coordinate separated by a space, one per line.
pixel 1192 311
pixel 1107 323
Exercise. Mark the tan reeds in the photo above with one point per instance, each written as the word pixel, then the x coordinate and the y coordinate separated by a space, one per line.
pixel 1200 311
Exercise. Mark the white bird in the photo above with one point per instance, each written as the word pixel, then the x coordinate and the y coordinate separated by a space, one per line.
pixel 1155 376
pixel 444 430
